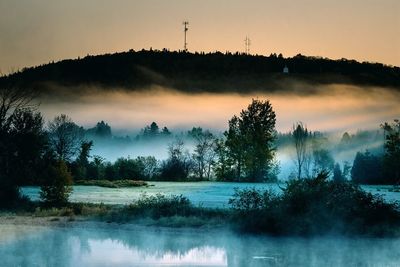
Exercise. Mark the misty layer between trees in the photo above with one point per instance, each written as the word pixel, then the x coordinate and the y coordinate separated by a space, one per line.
pixel 57 154
pixel 35 154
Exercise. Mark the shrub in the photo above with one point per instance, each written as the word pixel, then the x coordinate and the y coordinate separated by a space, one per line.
pixel 315 206
pixel 112 184
pixel 161 206
pixel 57 185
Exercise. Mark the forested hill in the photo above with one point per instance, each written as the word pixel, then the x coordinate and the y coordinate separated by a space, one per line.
pixel 206 72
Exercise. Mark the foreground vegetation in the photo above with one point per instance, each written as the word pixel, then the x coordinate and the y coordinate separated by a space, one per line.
pixel 306 207
pixel 316 206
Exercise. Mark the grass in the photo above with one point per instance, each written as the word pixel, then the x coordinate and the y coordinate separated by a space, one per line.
pixel 112 184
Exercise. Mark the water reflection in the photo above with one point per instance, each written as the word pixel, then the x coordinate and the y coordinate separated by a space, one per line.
pixel 146 246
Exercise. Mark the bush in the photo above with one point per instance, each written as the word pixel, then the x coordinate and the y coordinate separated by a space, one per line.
pixel 161 206
pixel 112 184
pixel 57 185
pixel 315 206
pixel 170 211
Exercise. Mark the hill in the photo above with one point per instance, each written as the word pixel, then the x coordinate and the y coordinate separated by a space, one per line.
pixel 204 72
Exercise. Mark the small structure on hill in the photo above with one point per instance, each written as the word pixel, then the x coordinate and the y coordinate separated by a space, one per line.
pixel 286 69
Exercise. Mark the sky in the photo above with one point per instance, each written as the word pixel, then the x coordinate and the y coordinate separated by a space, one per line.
pixel 34 32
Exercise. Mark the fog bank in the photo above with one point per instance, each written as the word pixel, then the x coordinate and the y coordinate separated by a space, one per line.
pixel 333 108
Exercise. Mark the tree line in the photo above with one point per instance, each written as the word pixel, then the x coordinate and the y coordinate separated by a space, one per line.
pixel 55 155
pixel 195 72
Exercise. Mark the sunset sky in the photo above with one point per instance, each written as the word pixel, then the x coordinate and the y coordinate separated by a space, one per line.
pixel 33 32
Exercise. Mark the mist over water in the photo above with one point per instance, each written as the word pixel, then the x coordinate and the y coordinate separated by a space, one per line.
pixel 332 109
pixel 99 245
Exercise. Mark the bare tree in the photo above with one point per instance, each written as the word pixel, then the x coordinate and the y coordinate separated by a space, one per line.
pixel 65 136
pixel 13 98
pixel 204 154
pixel 300 136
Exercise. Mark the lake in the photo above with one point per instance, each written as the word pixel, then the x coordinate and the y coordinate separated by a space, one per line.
pixel 207 194
pixel 113 245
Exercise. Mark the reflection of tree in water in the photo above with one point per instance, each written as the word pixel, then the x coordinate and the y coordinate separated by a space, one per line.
pixel 52 248
pixel 69 246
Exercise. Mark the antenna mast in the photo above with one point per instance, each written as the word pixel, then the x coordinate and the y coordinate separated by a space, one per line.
pixel 186 28
pixel 247 45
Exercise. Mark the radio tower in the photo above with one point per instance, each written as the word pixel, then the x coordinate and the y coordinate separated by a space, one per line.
pixel 185 24
pixel 247 45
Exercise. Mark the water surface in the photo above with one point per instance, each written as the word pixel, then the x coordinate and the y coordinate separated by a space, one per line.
pixel 207 194
pixel 147 246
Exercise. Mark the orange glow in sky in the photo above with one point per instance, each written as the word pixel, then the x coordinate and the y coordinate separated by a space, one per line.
pixel 34 32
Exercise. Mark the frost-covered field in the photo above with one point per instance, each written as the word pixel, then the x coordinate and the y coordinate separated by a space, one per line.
pixel 207 194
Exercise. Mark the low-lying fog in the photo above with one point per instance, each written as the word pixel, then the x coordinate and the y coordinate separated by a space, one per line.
pixel 331 109
pixel 92 245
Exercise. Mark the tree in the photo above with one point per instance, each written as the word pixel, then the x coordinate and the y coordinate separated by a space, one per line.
pixel 322 161
pixel 222 167
pixel 178 165
pixel 204 154
pixel 57 183
pixel 65 136
pixel 367 169
pixel 13 99
pixel 148 166
pixel 392 151
pixel 101 130
pixel 82 161
pixel 300 137
pixel 165 131
pixel 151 130
pixel 337 173
pixel 235 145
pixel 250 139
pixel 127 168
pixel 29 142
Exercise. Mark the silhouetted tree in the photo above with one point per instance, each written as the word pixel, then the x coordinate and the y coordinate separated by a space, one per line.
pixel 367 169
pixel 82 161
pixel 322 161
pixel 392 151
pixel 151 130
pixel 235 145
pixel 57 183
pixel 65 136
pixel 301 143
pixel 250 140
pixel 337 173
pixel 101 130
pixel 178 165
pixel 15 102
pixel 29 142
pixel 165 131
pixel 223 165
pixel 204 154
pixel 148 166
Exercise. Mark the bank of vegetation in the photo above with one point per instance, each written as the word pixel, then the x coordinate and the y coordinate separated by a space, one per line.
pixel 306 207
